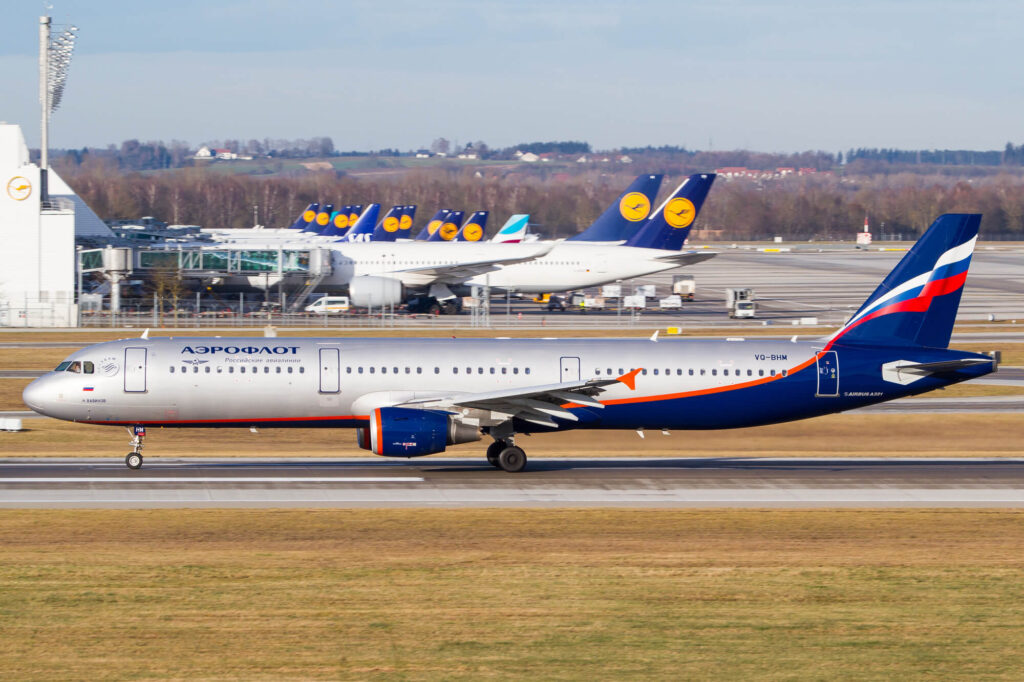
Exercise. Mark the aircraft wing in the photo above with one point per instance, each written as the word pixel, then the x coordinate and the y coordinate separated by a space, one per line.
pixel 536 404
pixel 463 270
pixel 686 257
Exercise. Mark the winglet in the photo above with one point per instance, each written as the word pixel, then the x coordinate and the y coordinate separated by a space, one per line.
pixel 654 336
pixel 145 334
pixel 630 378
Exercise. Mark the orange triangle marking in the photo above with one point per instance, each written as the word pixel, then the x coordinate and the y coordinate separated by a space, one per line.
pixel 630 378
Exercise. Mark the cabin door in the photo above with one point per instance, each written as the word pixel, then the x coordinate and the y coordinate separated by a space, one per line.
pixel 570 369
pixel 828 374
pixel 330 370
pixel 135 370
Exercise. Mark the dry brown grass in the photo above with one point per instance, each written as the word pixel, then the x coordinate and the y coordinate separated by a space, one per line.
pixel 531 594
pixel 846 435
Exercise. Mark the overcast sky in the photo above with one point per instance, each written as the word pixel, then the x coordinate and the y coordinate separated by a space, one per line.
pixel 771 75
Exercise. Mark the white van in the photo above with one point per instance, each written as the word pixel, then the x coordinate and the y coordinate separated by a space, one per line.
pixel 329 304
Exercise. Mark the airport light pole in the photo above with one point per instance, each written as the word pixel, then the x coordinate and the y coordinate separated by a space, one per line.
pixel 54 61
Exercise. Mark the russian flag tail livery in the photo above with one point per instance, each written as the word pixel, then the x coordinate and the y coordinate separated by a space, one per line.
pixel 916 304
pixel 670 224
pixel 473 230
pixel 305 218
pixel 363 227
pixel 622 219
pixel 446 230
pixel 339 223
pixel 433 224
pixel 514 229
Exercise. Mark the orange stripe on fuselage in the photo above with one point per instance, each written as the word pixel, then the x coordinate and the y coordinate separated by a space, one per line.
pixel 380 433
pixel 706 391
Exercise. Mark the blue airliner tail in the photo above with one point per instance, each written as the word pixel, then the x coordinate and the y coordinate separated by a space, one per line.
pixel 669 226
pixel 622 219
pixel 305 218
pixel 405 221
pixel 514 229
pixel 473 230
pixel 916 304
pixel 363 226
pixel 449 227
pixel 339 223
pixel 433 224
pixel 395 225
pixel 322 219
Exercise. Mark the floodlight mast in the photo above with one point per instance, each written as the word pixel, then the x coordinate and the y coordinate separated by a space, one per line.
pixel 54 60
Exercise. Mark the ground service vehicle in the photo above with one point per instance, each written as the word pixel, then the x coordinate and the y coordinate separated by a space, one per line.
pixel 327 305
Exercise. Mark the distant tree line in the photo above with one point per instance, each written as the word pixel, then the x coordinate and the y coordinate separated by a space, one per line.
pixel 562 204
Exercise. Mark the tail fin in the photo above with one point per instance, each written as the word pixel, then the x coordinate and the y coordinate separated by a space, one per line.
pixel 916 304
pixel 514 229
pixel 433 224
pixel 620 220
pixel 322 220
pixel 339 223
pixel 473 230
pixel 449 227
pixel 406 220
pixel 363 226
pixel 305 218
pixel 670 225
pixel 353 214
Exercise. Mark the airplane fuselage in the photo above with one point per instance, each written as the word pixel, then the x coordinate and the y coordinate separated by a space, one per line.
pixel 329 382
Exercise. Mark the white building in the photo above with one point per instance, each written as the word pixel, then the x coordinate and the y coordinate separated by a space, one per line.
pixel 37 261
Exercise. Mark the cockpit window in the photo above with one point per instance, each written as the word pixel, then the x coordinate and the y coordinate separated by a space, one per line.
pixel 76 367
pixel 87 367
pixel 63 366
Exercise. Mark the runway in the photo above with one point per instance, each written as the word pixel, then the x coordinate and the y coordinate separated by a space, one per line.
pixel 452 483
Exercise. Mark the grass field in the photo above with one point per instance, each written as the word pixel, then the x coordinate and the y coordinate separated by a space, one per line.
pixel 494 594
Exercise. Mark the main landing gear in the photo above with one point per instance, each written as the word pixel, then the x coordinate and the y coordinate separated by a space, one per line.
pixel 503 454
pixel 134 458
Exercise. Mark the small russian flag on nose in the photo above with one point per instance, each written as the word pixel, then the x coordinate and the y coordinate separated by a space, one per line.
pixel 87 388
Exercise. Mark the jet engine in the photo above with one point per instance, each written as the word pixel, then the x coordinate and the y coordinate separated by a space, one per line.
pixel 405 432
pixel 368 291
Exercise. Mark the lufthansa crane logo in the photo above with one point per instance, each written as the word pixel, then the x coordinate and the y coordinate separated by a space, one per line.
pixel 432 227
pixel 19 188
pixel 405 222
pixel 472 232
pixel 323 218
pixel 634 206
pixel 448 231
pixel 679 212
pixel 341 220
pixel 391 224
pixel 309 216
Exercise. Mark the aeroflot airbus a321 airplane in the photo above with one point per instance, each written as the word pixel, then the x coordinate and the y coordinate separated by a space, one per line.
pixel 410 397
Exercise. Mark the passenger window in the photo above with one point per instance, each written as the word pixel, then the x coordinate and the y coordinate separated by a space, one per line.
pixel 691 371
pixel 679 372
pixel 172 369
pixel 407 370
pixel 773 372
pixel 241 370
pixel 360 370
pixel 655 372
pixel 266 370
pixel 760 372
pixel 702 371
pixel 750 372
pixel 714 372
pixel 527 370
pixel 515 370
pixel 504 370
pixel 195 369
pixel 219 369
pixel 231 369
pixel 609 371
pixel 302 370
pixel 644 372
pixel 278 369
pixel 479 370
pixel 394 370
pixel 492 370
pixel 419 370
pixel 88 366
pixel 437 370
pixel 455 370
pixel 348 370
pixel 785 372
pixel 373 370
pixel 725 372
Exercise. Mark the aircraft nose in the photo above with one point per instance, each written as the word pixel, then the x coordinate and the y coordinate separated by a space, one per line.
pixel 36 396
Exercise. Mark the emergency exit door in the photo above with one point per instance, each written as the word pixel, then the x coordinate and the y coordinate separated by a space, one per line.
pixel 570 369
pixel 135 370
pixel 828 374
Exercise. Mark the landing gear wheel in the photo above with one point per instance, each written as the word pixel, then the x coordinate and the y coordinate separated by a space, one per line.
pixel 450 309
pixel 512 459
pixel 433 309
pixel 133 460
pixel 493 451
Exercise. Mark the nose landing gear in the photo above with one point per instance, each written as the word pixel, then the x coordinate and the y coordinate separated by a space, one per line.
pixel 134 458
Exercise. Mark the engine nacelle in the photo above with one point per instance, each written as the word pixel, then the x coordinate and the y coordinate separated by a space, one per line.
pixel 405 432
pixel 373 292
